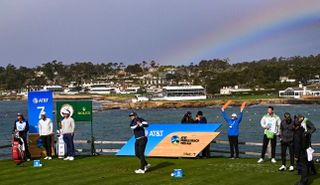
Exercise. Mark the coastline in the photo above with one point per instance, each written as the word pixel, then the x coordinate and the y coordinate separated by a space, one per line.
pixel 204 103
pixel 122 102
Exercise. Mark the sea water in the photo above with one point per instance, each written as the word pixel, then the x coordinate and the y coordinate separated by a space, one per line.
pixel 114 124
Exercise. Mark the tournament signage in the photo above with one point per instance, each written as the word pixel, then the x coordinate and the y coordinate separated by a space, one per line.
pixel 79 110
pixel 38 102
pixel 175 140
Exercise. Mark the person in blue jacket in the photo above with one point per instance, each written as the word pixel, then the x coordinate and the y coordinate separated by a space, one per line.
pixel 233 131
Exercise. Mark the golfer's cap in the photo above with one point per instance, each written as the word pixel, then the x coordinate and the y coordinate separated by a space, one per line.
pixel 200 113
pixel 66 111
pixel 188 113
pixel 132 114
pixel 43 113
pixel 234 115
pixel 19 114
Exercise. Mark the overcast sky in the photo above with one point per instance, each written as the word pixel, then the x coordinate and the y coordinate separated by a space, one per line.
pixel 33 32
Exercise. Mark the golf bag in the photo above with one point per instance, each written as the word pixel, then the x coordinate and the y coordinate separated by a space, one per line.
pixel 18 149
pixel 61 147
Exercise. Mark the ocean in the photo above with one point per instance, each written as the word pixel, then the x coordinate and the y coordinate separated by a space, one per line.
pixel 114 124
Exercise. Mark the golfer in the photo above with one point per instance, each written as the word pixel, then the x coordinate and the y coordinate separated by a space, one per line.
pixel 138 126
pixel 45 131
pixel 67 130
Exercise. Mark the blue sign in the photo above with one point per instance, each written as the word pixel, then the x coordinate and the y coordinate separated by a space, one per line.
pixel 158 133
pixel 38 102
pixel 37 163
pixel 177 173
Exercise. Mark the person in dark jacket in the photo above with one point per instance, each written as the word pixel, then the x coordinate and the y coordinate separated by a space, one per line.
pixel 300 153
pixel 286 140
pixel 187 118
pixel 138 126
pixel 22 127
pixel 309 129
pixel 200 118
pixel 233 131
pixel 203 120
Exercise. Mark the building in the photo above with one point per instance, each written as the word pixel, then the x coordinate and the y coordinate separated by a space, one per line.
pixel 285 79
pixel 233 90
pixel 130 90
pixel 54 88
pixel 176 93
pixel 298 92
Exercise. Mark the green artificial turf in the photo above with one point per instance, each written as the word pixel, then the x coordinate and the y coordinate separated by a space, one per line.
pixel 120 170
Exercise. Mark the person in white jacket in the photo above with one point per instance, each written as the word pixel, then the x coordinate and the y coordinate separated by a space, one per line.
pixel 67 131
pixel 271 125
pixel 45 131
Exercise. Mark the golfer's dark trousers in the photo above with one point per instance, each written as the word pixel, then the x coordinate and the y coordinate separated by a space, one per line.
pixel 140 146
pixel 265 145
pixel 303 169
pixel 234 146
pixel 47 144
pixel 284 146
pixel 68 139
pixel 25 140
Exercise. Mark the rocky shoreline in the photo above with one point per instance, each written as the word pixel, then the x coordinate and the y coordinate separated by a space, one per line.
pixel 118 102
pixel 204 103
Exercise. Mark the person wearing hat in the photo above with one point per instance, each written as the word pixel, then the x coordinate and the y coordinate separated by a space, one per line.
pixel 138 126
pixel 203 120
pixel 187 118
pixel 45 131
pixel 270 122
pixel 67 130
pixel 21 126
pixel 309 129
pixel 200 118
pixel 233 131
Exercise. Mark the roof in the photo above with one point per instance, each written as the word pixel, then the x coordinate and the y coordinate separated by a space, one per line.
pixel 183 87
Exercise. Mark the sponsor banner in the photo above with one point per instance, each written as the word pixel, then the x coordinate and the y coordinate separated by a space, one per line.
pixel 38 102
pixel 174 140
pixel 79 110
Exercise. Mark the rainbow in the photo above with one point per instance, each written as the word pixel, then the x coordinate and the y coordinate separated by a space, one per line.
pixel 264 24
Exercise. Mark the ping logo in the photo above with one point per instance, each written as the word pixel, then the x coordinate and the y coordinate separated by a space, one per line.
pixel 175 140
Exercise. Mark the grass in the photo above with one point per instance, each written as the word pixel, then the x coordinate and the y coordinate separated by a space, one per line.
pixel 119 170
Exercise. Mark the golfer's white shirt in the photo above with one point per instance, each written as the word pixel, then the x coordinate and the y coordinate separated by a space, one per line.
pixel 68 126
pixel 45 127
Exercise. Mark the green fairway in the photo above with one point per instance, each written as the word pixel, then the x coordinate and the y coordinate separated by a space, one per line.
pixel 119 170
